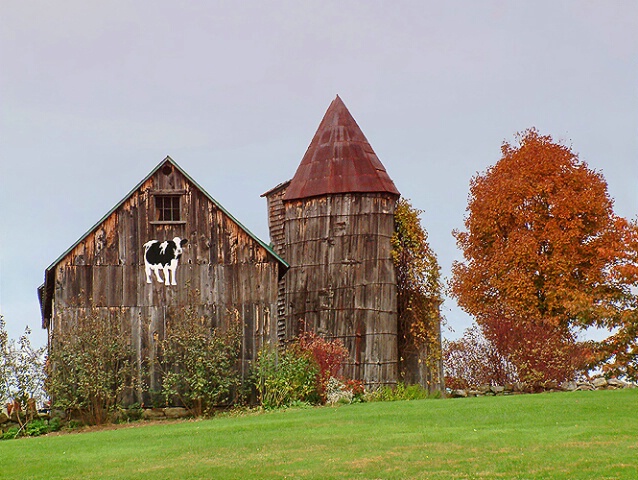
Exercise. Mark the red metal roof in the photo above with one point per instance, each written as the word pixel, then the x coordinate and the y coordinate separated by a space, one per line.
pixel 339 160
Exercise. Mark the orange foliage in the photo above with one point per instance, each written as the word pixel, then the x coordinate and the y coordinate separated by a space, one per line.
pixel 545 255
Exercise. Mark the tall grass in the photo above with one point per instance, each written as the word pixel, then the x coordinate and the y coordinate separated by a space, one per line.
pixel 580 435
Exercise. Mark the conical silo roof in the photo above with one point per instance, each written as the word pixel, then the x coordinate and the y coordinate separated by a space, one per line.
pixel 339 160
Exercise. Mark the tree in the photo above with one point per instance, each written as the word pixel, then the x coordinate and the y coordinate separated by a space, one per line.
pixel 5 362
pixel 545 256
pixel 21 368
pixel 419 300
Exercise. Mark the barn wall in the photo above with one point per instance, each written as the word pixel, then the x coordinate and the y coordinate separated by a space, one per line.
pixel 342 281
pixel 276 226
pixel 221 270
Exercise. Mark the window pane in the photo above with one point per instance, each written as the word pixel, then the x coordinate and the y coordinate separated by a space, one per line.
pixel 167 208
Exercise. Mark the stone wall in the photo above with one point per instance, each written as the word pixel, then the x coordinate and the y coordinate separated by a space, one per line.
pixel 598 383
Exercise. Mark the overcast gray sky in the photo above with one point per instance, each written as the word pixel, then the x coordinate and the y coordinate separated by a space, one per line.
pixel 95 94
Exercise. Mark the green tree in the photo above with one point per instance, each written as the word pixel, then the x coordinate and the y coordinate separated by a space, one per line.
pixel 545 256
pixel 419 300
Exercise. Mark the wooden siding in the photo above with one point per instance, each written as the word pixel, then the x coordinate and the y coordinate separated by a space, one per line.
pixel 276 226
pixel 341 282
pixel 222 269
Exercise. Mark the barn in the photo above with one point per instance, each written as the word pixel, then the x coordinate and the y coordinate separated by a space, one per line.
pixel 333 223
pixel 167 244
pixel 328 268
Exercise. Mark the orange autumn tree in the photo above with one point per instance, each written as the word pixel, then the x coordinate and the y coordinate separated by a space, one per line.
pixel 545 256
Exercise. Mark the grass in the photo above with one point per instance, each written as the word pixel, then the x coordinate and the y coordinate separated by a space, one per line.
pixel 579 435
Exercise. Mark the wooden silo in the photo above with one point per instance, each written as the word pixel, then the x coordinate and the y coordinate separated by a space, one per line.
pixel 338 219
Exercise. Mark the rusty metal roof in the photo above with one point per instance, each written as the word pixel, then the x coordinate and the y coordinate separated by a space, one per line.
pixel 339 160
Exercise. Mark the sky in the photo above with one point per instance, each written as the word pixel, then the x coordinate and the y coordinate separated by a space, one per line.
pixel 93 95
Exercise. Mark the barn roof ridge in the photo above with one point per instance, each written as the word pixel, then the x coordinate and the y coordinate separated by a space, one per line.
pixel 168 159
pixel 339 159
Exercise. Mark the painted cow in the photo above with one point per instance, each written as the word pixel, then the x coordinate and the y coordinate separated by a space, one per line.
pixel 163 256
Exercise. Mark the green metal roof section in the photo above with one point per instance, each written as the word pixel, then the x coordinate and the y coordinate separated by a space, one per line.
pixel 168 159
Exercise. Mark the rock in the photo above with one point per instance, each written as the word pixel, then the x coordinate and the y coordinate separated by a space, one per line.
pixel 474 393
pixel 599 382
pixel 153 414
pixel 176 412
pixel 459 393
pixel 568 386
pixel 3 418
pixel 585 386
pixel 484 389
pixel 615 383
pixel 497 389
pixel 518 387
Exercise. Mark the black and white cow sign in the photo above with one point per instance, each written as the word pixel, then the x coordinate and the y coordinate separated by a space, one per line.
pixel 163 256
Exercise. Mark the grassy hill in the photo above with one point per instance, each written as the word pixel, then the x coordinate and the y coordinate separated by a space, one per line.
pixel 580 435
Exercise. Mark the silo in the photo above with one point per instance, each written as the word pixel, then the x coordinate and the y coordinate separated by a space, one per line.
pixel 338 222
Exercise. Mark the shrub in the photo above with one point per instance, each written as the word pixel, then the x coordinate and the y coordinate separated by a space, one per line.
pixel 10 434
pixel 399 392
pixel 21 368
pixel 199 363
pixel 350 391
pixel 285 376
pixel 473 361
pixel 328 355
pixel 92 368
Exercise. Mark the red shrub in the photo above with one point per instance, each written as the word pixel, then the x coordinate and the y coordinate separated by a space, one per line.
pixel 328 354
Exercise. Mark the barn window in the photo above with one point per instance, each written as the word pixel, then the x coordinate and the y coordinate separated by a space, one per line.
pixel 168 208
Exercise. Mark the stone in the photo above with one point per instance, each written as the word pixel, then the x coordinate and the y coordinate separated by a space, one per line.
pixel 153 414
pixel 568 386
pixel 585 387
pixel 474 393
pixel 484 389
pixel 3 418
pixel 176 412
pixel 459 393
pixel 599 382
pixel 615 383
pixel 497 389
pixel 519 387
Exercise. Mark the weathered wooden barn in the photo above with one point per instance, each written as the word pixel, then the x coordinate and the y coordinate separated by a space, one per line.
pixel 223 267
pixel 333 223
pixel 329 267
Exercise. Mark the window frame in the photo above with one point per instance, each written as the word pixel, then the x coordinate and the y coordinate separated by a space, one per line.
pixel 161 195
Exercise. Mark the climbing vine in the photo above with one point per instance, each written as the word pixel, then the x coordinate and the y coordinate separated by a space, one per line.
pixel 419 299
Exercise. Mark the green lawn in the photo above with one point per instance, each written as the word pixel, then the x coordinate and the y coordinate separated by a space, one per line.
pixel 586 435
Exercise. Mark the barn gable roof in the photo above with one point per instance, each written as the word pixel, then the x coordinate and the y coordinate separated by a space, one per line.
pixel 339 160
pixel 45 291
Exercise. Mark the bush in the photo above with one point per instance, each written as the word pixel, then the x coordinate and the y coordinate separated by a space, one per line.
pixel 92 368
pixel 399 392
pixel 473 361
pixel 283 377
pixel 21 368
pixel 350 391
pixel 33 428
pixel 328 355
pixel 199 364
